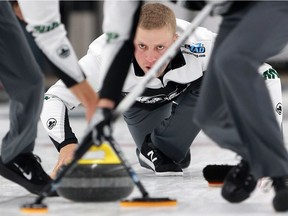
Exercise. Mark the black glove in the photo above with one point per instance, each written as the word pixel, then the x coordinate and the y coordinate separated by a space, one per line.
pixel 100 125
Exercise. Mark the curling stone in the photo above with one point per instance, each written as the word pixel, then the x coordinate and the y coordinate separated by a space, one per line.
pixel 98 177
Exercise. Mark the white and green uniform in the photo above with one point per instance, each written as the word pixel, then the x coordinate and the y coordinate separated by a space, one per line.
pixel 171 126
pixel 43 20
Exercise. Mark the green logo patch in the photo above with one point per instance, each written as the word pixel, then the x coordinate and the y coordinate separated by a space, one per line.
pixel 46 28
pixel 270 74
pixel 111 36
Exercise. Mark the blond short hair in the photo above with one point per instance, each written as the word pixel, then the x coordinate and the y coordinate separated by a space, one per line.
pixel 157 15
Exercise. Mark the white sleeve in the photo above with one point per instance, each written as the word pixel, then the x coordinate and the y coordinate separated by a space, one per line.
pixel 53 118
pixel 117 28
pixel 59 97
pixel 60 91
pixel 273 84
pixel 56 100
pixel 43 20
pixel 90 64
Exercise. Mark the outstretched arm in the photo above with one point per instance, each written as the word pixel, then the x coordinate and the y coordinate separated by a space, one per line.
pixel 273 83
pixel 58 100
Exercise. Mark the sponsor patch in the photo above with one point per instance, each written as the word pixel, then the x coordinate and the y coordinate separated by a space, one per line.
pixel 51 123
pixel 279 109
pixel 197 49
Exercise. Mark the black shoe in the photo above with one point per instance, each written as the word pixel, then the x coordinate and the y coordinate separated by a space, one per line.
pixel 26 171
pixel 239 183
pixel 280 201
pixel 183 164
pixel 215 174
pixel 157 161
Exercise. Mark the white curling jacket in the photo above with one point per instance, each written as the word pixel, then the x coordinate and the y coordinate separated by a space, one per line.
pixel 187 67
pixel 193 62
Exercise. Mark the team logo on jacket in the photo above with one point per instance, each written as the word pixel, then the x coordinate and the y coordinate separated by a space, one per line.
pixel 111 36
pixel 164 97
pixel 63 51
pixel 270 74
pixel 197 49
pixel 46 28
pixel 51 123
pixel 279 108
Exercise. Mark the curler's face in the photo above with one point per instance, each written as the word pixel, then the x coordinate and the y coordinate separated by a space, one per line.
pixel 150 45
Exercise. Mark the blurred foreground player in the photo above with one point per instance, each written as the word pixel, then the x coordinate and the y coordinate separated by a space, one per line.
pixel 24 84
pixel 230 108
